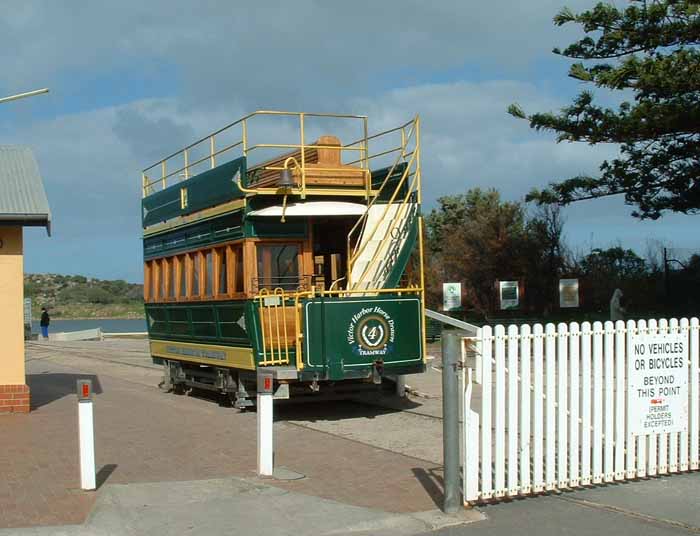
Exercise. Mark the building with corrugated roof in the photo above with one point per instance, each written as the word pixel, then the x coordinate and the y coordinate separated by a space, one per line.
pixel 23 203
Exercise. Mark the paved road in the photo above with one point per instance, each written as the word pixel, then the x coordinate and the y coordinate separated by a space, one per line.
pixel 189 464
pixel 144 435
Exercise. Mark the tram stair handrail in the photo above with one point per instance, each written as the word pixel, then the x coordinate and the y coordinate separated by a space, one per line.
pixel 411 180
pixel 471 329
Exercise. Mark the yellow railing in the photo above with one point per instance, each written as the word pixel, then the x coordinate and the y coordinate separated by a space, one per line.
pixel 234 140
pixel 275 343
pixel 180 166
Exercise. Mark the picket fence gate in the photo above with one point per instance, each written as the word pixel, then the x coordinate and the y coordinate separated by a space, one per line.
pixel 546 408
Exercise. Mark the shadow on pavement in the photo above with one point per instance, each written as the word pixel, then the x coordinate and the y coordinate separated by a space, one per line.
pixel 334 410
pixel 313 408
pixel 49 386
pixel 104 473
pixel 432 482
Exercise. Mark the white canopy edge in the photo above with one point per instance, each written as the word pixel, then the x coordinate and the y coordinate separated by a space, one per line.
pixel 313 208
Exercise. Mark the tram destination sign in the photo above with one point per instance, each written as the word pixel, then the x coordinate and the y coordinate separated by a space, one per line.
pixel 657 384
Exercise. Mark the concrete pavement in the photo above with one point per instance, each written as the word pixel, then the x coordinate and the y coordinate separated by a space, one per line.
pixel 658 506
pixel 144 435
pixel 236 506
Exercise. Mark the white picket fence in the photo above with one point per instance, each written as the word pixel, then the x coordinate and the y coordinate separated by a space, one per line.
pixel 545 408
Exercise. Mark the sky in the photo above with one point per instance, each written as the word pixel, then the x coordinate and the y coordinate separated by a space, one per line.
pixel 131 82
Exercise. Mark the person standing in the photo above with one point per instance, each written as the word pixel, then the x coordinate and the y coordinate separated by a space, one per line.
pixel 617 311
pixel 44 323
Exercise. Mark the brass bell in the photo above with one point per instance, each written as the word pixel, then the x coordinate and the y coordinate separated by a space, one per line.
pixel 286 180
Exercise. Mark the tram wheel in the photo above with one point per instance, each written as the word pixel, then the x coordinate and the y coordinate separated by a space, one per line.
pixel 225 400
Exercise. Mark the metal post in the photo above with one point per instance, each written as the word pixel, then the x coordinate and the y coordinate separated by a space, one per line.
pixel 86 430
pixel 450 420
pixel 212 151
pixel 24 95
pixel 265 419
pixel 303 155
pixel 401 385
pixel 666 285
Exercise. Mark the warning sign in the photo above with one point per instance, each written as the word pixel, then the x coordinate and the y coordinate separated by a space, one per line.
pixel 657 384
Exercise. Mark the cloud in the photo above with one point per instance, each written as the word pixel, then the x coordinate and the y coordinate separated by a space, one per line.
pixel 91 161
pixel 272 53
pixel 134 81
pixel 469 140
pixel 147 135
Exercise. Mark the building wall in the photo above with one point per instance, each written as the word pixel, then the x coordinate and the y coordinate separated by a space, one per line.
pixel 14 394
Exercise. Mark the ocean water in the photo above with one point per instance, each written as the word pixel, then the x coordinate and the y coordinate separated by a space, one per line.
pixel 107 325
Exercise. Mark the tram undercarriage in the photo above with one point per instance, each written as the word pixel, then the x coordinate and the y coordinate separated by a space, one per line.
pixel 238 388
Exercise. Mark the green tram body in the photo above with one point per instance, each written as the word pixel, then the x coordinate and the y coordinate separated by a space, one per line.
pixel 214 320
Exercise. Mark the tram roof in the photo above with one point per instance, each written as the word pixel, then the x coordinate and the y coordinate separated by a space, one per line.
pixel 312 208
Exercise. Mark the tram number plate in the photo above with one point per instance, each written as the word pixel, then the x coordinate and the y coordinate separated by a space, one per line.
pixel 272 301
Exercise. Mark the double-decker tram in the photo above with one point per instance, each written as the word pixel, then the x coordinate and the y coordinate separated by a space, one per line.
pixel 272 243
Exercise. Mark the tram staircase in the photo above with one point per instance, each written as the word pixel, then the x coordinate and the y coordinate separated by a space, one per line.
pixel 385 245
pixel 389 228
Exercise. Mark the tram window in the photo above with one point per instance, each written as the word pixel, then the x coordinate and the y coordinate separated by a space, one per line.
pixel 278 266
pixel 178 322
pixel 147 275
pixel 208 274
pixel 171 277
pixel 156 320
pixel 194 266
pixel 162 267
pixel 203 322
pixel 238 283
pixel 223 272
pixel 230 324
pixel 182 277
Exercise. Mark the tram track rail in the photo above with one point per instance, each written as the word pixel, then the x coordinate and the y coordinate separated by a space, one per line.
pixel 87 354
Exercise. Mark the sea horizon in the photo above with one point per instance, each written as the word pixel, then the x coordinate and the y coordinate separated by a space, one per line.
pixel 107 325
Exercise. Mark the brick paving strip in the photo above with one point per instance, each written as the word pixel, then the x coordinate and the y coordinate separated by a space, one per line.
pixel 144 435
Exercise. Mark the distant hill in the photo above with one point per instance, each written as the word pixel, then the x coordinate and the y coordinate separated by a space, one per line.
pixel 77 296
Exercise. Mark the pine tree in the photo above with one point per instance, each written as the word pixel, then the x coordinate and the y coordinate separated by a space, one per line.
pixel 650 50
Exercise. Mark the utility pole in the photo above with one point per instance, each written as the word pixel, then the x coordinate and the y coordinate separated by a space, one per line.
pixel 24 95
pixel 666 276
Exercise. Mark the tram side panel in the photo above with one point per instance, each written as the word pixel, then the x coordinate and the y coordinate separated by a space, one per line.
pixel 214 333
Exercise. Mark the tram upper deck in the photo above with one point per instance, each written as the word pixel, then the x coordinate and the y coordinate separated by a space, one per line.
pixel 251 233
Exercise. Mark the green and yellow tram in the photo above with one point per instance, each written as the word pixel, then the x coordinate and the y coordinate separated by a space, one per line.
pixel 271 243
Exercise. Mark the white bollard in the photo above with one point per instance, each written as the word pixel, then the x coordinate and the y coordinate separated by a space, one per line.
pixel 86 431
pixel 265 418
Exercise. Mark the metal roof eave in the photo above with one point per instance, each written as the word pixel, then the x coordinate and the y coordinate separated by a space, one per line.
pixel 27 220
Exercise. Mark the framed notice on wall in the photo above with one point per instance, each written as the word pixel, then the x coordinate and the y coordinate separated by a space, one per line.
pixel 509 295
pixel 451 296
pixel 568 293
pixel 28 311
